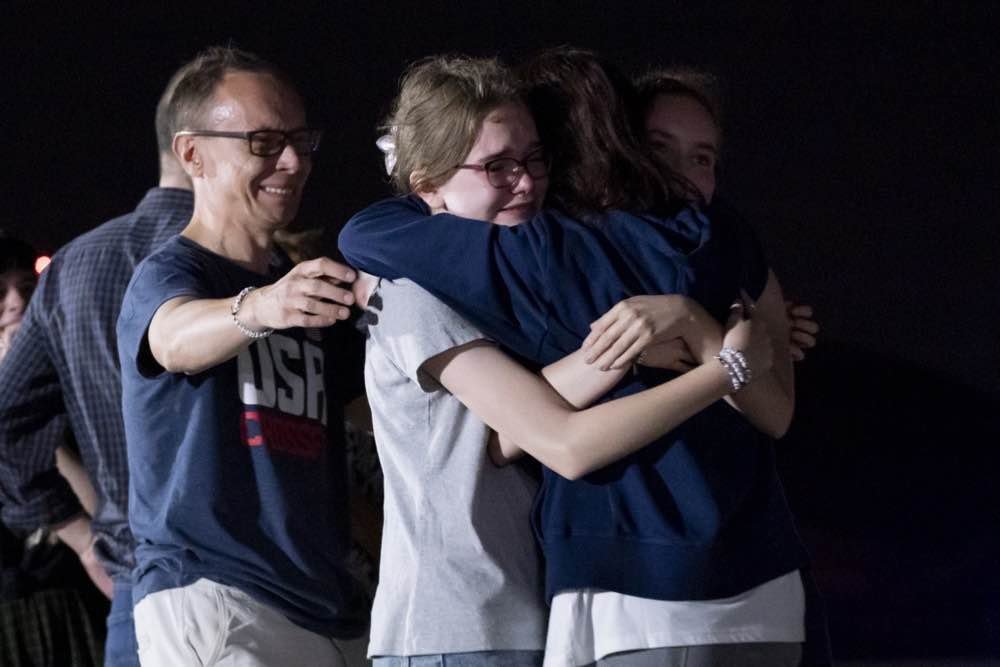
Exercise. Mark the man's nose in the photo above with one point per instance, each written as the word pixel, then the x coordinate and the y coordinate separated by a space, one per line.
pixel 289 160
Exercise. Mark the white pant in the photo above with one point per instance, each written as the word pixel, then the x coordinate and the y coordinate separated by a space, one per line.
pixel 207 623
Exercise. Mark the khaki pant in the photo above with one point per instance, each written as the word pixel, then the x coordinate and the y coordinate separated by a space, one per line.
pixel 207 623
pixel 764 654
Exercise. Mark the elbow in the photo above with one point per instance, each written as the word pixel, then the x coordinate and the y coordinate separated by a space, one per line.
pixel 569 470
pixel 777 427
pixel 564 459
pixel 173 359
pixel 169 359
pixel 777 432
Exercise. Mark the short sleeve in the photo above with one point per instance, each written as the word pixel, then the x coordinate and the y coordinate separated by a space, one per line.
pixel 492 274
pixel 161 277
pixel 412 326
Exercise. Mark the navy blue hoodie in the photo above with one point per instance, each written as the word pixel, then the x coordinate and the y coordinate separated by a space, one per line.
pixel 697 514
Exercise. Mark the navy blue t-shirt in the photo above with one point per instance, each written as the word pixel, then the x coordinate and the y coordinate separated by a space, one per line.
pixel 236 473
pixel 697 514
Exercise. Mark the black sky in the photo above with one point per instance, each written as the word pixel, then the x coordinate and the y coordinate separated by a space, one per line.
pixel 861 143
pixel 861 140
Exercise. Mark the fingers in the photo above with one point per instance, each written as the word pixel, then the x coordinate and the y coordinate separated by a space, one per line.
pixel 605 332
pixel 624 346
pixel 324 267
pixel 799 310
pixel 810 327
pixel 626 358
pixel 620 343
pixel 318 288
pixel 601 324
pixel 321 308
pixel 801 339
pixel 313 293
pixel 320 321
pixel 803 329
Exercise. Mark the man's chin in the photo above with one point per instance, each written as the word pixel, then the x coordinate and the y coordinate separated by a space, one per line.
pixel 283 218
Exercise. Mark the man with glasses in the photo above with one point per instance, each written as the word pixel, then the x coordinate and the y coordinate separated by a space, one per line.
pixel 61 374
pixel 238 494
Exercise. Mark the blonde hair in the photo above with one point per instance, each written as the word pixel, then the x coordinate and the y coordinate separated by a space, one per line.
pixel 437 116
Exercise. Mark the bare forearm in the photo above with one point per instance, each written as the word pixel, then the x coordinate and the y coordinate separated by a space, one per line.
pixel 75 533
pixel 577 381
pixel 191 335
pixel 572 442
pixel 194 335
pixel 579 384
pixel 592 439
pixel 73 471
pixel 769 401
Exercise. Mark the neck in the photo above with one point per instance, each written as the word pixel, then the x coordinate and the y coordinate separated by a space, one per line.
pixel 172 175
pixel 249 248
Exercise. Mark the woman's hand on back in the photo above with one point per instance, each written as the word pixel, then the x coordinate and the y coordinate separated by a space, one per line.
pixel 804 329
pixel 618 337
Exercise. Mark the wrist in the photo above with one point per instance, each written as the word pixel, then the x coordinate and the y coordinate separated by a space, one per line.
pixel 245 315
pixel 736 366
pixel 717 376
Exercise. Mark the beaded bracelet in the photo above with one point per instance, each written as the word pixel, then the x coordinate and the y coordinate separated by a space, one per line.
pixel 736 366
pixel 235 309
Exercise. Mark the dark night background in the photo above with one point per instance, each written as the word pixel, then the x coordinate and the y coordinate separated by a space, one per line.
pixel 861 143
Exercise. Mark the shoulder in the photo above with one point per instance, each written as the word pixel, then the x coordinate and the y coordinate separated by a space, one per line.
pixel 122 241
pixel 102 240
pixel 114 233
pixel 404 298
pixel 403 309
pixel 177 261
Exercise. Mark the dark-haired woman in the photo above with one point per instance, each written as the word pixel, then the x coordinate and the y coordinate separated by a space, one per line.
pixel 685 548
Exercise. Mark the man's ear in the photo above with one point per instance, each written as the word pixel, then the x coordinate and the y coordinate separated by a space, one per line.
pixel 187 154
pixel 421 187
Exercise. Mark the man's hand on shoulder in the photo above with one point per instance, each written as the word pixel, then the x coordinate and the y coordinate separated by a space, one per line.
pixel 310 295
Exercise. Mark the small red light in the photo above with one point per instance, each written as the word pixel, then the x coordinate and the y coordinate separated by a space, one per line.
pixel 41 263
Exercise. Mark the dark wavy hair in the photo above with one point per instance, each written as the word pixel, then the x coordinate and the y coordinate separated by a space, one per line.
pixel 590 119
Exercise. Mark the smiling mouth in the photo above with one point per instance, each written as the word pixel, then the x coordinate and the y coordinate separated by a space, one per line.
pixel 279 191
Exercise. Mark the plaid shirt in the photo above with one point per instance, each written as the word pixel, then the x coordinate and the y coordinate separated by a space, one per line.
pixel 62 376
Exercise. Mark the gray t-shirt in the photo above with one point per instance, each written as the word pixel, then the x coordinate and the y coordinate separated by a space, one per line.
pixel 459 570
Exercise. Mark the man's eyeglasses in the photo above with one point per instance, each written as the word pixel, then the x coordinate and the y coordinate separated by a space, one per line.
pixel 505 172
pixel 267 143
